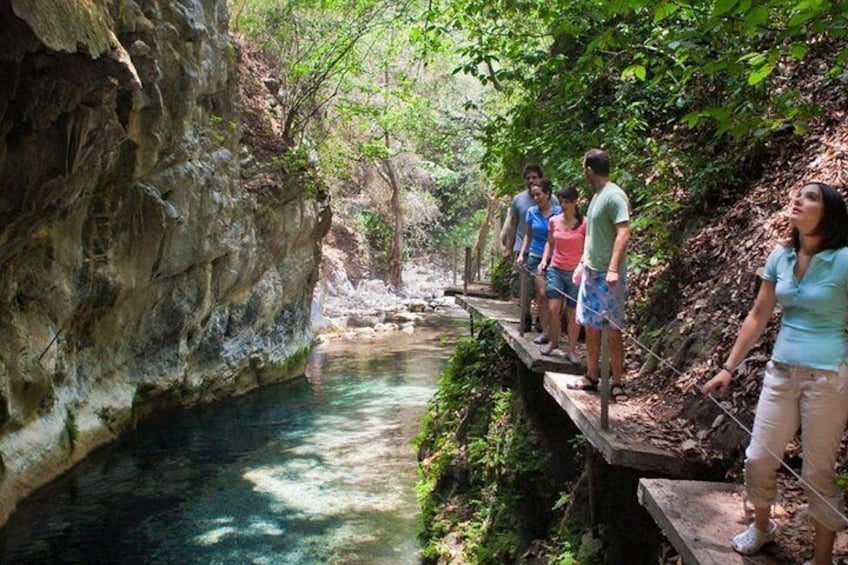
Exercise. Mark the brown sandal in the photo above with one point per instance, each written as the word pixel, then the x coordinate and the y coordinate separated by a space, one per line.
pixel 618 393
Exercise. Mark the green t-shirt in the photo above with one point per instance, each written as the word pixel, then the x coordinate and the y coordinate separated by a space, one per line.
pixel 608 207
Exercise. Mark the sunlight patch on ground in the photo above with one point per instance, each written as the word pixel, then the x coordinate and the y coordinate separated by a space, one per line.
pixel 215 535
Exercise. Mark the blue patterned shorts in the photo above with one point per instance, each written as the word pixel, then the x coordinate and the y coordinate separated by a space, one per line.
pixel 596 297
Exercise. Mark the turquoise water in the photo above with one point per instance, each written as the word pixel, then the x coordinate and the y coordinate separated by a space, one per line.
pixel 318 470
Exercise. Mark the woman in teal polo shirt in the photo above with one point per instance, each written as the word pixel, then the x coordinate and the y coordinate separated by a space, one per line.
pixel 806 380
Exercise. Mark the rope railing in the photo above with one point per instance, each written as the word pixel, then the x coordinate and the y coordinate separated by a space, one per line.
pixel 712 398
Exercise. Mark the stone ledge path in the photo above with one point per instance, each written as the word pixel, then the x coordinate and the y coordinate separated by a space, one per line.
pixel 698 518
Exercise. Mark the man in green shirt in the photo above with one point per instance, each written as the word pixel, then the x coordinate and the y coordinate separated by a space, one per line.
pixel 601 273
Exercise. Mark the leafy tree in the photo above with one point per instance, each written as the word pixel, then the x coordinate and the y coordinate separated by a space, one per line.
pixel 365 86
pixel 680 92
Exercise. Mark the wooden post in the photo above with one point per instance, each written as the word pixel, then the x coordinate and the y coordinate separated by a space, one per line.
pixel 453 263
pixel 479 265
pixel 524 299
pixel 605 371
pixel 593 494
pixel 467 270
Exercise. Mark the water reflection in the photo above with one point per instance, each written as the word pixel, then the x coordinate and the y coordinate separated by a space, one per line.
pixel 315 471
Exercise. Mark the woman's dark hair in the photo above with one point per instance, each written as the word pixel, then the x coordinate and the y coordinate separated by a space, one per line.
pixel 545 185
pixel 833 226
pixel 570 194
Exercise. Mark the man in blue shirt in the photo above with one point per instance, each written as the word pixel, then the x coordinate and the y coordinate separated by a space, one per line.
pixel 515 226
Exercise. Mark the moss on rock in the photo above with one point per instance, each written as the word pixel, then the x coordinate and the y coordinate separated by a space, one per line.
pixel 487 486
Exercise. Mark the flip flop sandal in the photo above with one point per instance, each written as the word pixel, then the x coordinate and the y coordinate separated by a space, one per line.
pixel 618 393
pixel 585 383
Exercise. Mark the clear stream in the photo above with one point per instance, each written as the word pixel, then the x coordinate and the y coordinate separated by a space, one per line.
pixel 316 470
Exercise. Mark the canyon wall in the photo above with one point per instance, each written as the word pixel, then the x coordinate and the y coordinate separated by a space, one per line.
pixel 139 270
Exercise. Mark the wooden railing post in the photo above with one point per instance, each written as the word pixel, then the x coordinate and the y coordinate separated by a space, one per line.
pixel 591 478
pixel 467 270
pixel 453 263
pixel 479 265
pixel 524 298
pixel 605 371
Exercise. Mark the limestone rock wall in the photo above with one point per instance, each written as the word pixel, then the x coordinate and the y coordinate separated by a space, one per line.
pixel 135 270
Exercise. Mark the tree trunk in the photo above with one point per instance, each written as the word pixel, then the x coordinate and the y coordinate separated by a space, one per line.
pixel 492 216
pixel 396 260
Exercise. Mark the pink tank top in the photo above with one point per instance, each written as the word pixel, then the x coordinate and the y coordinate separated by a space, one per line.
pixel 568 244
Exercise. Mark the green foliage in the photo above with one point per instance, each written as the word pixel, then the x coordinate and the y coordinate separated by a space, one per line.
pixel 378 233
pixel 72 429
pixel 842 482
pixel 366 84
pixel 678 91
pixel 481 463
pixel 502 277
pixel 299 356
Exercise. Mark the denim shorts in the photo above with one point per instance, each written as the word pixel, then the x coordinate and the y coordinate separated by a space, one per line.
pixel 532 264
pixel 560 283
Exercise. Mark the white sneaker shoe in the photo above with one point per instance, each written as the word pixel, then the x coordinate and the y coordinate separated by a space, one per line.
pixel 752 540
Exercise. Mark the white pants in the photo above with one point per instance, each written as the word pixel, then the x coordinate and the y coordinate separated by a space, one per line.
pixel 817 400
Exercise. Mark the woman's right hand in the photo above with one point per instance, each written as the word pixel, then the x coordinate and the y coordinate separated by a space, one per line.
pixel 520 260
pixel 577 276
pixel 718 383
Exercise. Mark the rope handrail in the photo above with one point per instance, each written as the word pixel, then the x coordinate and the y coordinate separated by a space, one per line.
pixel 712 398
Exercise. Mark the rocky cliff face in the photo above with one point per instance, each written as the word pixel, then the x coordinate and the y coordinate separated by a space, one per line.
pixel 136 270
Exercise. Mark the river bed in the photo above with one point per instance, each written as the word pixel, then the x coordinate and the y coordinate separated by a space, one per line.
pixel 317 470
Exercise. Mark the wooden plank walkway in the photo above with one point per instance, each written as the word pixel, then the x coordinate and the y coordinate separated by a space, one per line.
pixel 506 313
pixel 480 290
pixel 621 443
pixel 699 519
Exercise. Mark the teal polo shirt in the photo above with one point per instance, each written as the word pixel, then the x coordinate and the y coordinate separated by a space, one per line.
pixel 815 309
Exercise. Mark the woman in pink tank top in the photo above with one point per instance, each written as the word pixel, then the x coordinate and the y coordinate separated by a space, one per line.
pixel 566 234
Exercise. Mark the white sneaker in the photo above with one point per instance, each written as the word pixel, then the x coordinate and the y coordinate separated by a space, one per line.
pixel 574 358
pixel 752 540
pixel 541 339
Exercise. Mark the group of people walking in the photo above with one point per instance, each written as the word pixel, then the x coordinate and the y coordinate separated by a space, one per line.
pixel 580 262
pixel 577 262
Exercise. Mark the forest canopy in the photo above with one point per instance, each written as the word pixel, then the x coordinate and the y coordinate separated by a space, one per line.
pixel 686 95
